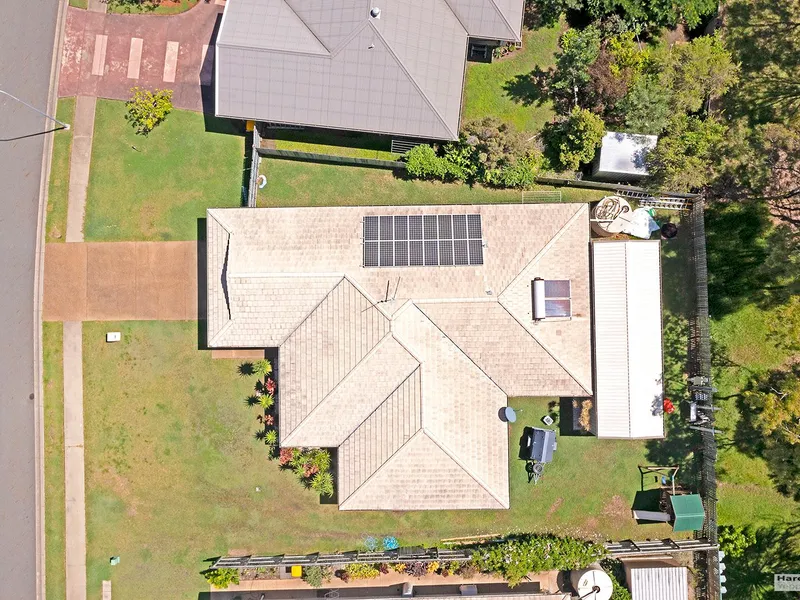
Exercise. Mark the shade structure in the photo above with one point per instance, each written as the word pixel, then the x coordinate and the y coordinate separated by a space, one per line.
pixel 688 511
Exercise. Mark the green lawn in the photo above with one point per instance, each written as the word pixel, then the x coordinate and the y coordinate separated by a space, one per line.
pixel 55 567
pixel 79 3
pixel 58 194
pixel 158 190
pixel 340 143
pixel 164 7
pixel 172 467
pixel 504 89
pixel 299 183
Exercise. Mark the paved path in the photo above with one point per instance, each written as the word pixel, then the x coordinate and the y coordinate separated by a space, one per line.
pixel 107 54
pixel 73 461
pixel 80 159
pixel 26 54
pixel 117 281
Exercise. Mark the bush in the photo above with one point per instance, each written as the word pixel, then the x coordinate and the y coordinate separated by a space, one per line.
pixel 221 578
pixel 316 576
pixel 521 174
pixel 423 163
pixel 734 540
pixel 147 109
pixel 574 140
pixel 361 571
pixel 516 557
pixel 468 570
pixel 322 483
pixel 417 569
pixel 398 567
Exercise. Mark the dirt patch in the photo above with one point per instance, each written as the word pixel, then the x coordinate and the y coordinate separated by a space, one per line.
pixel 121 487
pixel 616 507
pixel 555 506
pixel 591 524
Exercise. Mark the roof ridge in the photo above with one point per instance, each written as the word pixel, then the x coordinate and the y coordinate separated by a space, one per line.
pixel 212 342
pixel 378 470
pixel 413 81
pixel 350 37
pixel 546 248
pixel 214 214
pixel 311 312
pixel 311 31
pixel 430 435
pixel 347 376
pixel 503 16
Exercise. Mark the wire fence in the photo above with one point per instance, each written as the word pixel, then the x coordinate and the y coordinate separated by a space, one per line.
pixel 701 391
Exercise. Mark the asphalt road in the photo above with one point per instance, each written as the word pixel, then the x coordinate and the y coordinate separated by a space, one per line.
pixel 27 32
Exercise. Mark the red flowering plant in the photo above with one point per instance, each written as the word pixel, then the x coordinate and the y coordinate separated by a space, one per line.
pixel 669 407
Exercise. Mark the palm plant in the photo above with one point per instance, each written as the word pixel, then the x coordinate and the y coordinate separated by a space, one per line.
pixel 262 367
pixel 271 438
pixel 322 483
pixel 266 401
pixel 321 459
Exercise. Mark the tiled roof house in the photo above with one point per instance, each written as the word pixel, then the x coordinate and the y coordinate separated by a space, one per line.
pixel 405 369
pixel 334 63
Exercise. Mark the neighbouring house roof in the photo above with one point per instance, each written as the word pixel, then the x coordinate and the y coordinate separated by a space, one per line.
pixel 659 583
pixel 623 155
pixel 403 369
pixel 328 63
pixel 629 387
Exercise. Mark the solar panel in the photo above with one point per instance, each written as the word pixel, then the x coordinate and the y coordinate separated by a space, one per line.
pixel 401 254
pixel 431 253
pixel 474 226
pixel 460 227
pixel 371 254
pixel 426 240
pixel 445 252
pixel 370 228
pixel 386 228
pixel 445 227
pixel 475 252
pixel 415 255
pixel 401 228
pixel 430 227
pixel 460 252
pixel 387 254
pixel 415 227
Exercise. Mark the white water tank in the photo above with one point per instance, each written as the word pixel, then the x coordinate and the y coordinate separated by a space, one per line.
pixel 592 583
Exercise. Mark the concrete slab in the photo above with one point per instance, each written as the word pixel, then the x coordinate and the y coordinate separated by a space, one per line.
pixel 135 58
pixel 207 64
pixel 171 62
pixel 80 160
pixel 98 6
pixel 121 281
pixel 244 353
pixel 74 474
pixel 99 56
pixel 106 590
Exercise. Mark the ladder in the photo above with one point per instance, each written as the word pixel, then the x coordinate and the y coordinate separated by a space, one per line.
pixel 678 204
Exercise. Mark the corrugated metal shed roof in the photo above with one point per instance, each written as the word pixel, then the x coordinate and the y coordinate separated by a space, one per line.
pixel 330 64
pixel 659 583
pixel 629 390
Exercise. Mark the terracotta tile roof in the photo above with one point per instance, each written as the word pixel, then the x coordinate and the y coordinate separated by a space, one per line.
pixel 405 370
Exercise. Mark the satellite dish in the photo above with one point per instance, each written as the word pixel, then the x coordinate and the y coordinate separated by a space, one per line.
pixel 509 415
pixel 592 584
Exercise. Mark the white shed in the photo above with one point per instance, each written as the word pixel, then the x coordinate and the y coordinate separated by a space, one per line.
pixel 628 361
pixel 622 156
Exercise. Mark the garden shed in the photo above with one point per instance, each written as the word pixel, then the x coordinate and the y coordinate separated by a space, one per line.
pixel 621 156
pixel 657 582
pixel 628 369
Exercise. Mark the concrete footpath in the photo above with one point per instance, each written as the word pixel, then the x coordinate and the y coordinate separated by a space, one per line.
pixel 80 161
pixel 74 473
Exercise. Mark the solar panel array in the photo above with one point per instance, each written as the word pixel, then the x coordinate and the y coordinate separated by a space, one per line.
pixel 423 240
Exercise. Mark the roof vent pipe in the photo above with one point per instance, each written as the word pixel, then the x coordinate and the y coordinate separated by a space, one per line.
pixel 538 299
pixel 375 12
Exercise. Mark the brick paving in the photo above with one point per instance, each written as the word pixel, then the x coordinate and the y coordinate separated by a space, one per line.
pixel 107 54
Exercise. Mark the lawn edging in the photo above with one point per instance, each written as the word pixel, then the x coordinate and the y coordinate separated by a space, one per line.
pixel 332 158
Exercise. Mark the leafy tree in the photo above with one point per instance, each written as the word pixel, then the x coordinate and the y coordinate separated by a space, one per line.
pixel 221 578
pixel 579 49
pixel 627 54
pixel 734 540
pixel 147 109
pixel 494 144
pixel 646 106
pixel 684 158
pixel 697 71
pixel 262 367
pixel 784 325
pixel 322 483
pixel 521 174
pixel 543 13
pixel 574 140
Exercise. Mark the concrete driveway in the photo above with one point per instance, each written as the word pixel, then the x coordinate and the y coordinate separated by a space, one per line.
pixel 118 281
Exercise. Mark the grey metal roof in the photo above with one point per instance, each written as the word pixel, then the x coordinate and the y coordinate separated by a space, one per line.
pixel 330 64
